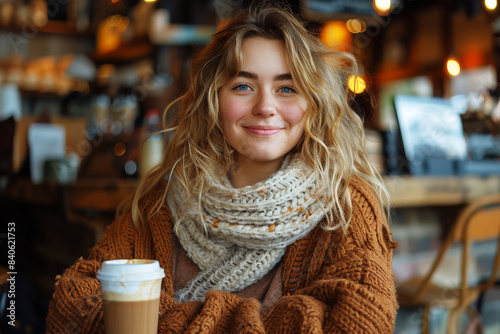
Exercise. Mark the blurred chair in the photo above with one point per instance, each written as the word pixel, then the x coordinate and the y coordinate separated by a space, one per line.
pixel 478 221
pixel 482 296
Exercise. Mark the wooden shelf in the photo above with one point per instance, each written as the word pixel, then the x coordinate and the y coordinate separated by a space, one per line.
pixel 183 34
pixel 52 27
pixel 126 52
pixel 35 94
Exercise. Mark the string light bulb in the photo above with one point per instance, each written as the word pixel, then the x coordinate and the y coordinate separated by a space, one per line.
pixel 382 7
pixel 453 67
pixel 336 35
pixel 119 149
pixel 491 4
pixel 356 84
pixel 355 26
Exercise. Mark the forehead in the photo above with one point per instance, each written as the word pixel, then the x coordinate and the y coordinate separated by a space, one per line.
pixel 263 54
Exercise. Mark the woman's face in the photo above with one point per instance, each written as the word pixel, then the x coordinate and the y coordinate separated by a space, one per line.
pixel 262 114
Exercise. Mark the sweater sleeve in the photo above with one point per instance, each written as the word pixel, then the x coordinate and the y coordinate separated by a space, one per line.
pixel 76 305
pixel 353 291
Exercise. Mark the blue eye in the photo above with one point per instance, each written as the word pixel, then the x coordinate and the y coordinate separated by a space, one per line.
pixel 242 87
pixel 287 90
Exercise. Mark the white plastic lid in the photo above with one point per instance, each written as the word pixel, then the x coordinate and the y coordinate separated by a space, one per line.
pixel 130 270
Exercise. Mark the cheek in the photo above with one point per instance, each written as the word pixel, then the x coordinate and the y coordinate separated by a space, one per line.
pixel 295 115
pixel 296 119
pixel 231 111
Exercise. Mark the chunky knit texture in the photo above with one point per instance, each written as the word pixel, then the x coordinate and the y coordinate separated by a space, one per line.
pixel 241 234
pixel 332 282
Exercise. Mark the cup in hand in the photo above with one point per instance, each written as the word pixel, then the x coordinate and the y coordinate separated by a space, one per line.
pixel 131 295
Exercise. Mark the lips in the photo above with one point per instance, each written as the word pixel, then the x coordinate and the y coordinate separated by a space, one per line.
pixel 263 130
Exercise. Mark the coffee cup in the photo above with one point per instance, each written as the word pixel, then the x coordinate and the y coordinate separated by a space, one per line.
pixel 131 295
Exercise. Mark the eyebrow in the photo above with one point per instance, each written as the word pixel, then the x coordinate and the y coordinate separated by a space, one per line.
pixel 278 77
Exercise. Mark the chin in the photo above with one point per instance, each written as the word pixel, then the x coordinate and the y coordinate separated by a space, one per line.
pixel 264 157
pixel 268 159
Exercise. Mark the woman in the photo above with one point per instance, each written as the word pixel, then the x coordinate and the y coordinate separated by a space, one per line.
pixel 266 213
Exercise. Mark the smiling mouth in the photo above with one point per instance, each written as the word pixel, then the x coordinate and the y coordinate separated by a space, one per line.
pixel 263 131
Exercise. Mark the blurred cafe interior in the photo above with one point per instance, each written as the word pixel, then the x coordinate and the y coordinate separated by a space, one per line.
pixel 83 85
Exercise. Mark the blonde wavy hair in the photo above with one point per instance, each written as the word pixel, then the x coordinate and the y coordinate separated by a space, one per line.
pixel 333 140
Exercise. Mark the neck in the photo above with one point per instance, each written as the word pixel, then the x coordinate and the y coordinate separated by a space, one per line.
pixel 249 172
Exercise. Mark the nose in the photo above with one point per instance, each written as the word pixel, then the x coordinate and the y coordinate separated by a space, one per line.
pixel 265 105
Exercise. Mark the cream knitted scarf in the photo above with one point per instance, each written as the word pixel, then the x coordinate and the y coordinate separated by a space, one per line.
pixel 242 233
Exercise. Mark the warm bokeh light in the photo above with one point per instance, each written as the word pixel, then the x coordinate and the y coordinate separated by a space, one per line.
pixel 109 33
pixel 356 26
pixel 336 36
pixel 114 20
pixel 106 71
pixel 6 12
pixel 356 84
pixel 149 0
pixel 382 7
pixel 40 17
pixel 453 67
pixel 120 149
pixel 490 4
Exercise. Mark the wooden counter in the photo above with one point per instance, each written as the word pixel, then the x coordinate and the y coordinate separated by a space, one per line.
pixel 88 202
pixel 407 191
pixel 99 194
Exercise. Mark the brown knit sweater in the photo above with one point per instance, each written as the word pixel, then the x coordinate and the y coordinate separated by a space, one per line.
pixel 332 282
